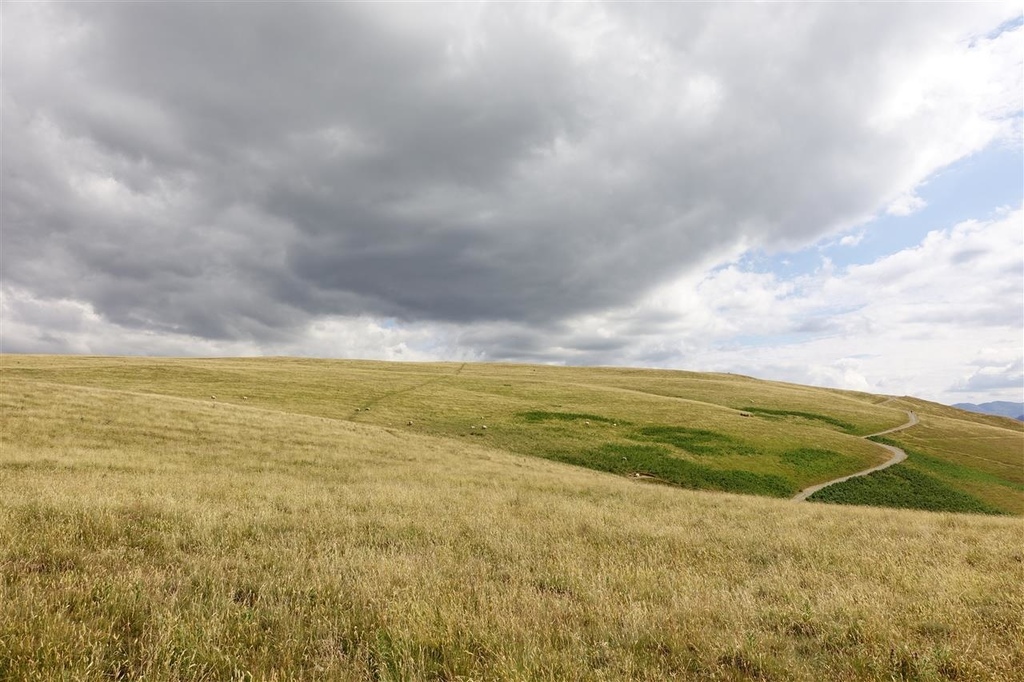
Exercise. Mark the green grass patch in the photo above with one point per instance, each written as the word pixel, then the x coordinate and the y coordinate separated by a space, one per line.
pixel 903 487
pixel 844 426
pixel 947 469
pixel 630 459
pixel 695 441
pixel 814 460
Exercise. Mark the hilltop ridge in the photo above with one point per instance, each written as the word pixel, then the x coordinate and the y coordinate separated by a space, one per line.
pixel 1002 408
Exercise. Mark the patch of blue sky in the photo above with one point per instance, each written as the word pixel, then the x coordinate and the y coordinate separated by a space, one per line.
pixel 975 188
pixel 1004 27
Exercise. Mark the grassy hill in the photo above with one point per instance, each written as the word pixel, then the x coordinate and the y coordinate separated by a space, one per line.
pixel 956 462
pixel 701 431
pixel 297 526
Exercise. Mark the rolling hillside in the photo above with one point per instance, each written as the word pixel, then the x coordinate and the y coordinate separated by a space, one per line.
pixel 701 431
pixel 282 519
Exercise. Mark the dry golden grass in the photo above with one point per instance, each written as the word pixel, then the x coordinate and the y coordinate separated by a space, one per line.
pixel 156 537
pixel 448 400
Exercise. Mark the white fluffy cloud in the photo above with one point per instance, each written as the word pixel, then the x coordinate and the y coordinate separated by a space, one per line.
pixel 938 320
pixel 570 183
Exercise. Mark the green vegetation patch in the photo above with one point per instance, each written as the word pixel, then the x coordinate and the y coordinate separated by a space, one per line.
pixel 846 427
pixel 947 469
pixel 695 441
pixel 903 487
pixel 544 416
pixel 631 459
pixel 814 460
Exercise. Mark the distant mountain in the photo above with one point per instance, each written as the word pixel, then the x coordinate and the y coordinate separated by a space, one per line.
pixel 999 407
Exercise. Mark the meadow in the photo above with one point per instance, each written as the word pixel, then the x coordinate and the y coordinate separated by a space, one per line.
pixel 694 430
pixel 283 519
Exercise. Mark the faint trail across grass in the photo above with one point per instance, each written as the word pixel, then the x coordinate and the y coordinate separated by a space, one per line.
pixel 408 389
pixel 898 455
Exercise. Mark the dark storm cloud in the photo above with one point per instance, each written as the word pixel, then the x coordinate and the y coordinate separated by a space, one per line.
pixel 232 171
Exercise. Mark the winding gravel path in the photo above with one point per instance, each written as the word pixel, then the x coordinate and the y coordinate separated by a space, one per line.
pixel 897 456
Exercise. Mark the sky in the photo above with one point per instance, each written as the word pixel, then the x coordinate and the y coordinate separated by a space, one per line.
pixel 822 193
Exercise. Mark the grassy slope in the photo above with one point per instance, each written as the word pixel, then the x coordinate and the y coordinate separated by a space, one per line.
pixel 957 461
pixel 641 419
pixel 168 538
pixel 447 400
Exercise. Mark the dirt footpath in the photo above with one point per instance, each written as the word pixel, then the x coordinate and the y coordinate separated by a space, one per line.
pixel 897 456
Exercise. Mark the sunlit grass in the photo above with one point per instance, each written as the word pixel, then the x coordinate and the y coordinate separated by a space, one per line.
pixel 455 401
pixel 161 538
pixel 580 414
